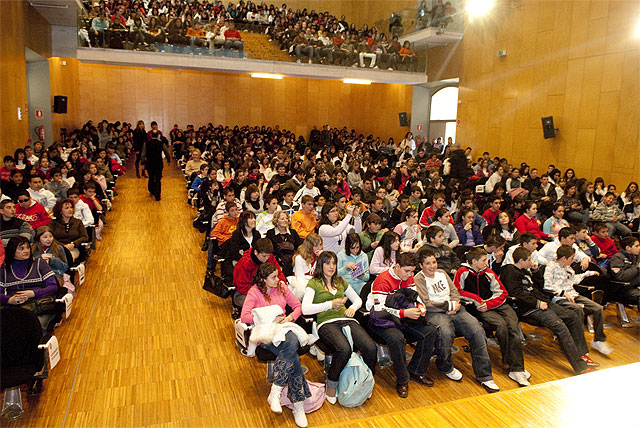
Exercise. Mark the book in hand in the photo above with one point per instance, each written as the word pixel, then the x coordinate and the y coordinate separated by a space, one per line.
pixel 359 270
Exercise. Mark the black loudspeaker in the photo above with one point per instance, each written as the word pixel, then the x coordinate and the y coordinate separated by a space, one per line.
pixel 59 104
pixel 548 128
pixel 403 119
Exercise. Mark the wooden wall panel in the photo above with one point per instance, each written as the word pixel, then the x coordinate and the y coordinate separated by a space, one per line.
pixel 199 97
pixel 575 60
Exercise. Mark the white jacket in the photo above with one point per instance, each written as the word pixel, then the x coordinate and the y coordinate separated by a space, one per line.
pixel 267 331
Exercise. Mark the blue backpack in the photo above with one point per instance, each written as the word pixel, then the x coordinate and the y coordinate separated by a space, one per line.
pixel 356 381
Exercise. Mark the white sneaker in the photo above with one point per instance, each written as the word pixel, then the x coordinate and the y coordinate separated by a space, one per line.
pixel 527 374
pixel 298 61
pixel 320 356
pixel 274 398
pixel 454 374
pixel 490 386
pixel 310 62
pixel 330 399
pixel 299 415
pixel 602 347
pixel 520 378
pixel 313 350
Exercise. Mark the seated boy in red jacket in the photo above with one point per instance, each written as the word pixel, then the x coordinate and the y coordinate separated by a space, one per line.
pixel 31 211
pixel 247 266
pixel 602 240
pixel 481 286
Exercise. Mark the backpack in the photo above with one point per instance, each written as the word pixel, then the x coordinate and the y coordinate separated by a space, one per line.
pixel 356 382
pixel 311 404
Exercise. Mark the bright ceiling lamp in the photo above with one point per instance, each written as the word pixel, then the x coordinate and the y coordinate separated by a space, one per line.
pixel 357 81
pixel 267 76
pixel 478 8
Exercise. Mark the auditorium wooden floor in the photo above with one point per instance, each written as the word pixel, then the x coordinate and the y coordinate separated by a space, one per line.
pixel 145 346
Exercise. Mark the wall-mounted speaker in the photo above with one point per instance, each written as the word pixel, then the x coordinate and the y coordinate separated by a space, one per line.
pixel 404 121
pixel 547 127
pixel 60 104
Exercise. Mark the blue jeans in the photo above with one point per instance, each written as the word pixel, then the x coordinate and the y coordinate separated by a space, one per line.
pixel 425 335
pixel 287 370
pixel 461 323
pixel 567 325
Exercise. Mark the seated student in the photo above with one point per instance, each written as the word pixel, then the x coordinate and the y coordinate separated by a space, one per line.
pixel 371 235
pixel 228 196
pixel 68 230
pixel 442 219
pixel 294 183
pixel 403 204
pixel 57 185
pixel 494 246
pixel 202 175
pixel 31 211
pixel 22 277
pixel 609 212
pixel 304 263
pixel 494 209
pixel 528 241
pixel 445 256
pixel 442 302
pixel 325 296
pixel 468 233
pixel 377 207
pixel 264 221
pixel 46 247
pixel 535 306
pixel 40 195
pixel 566 236
pixel 9 165
pixel 409 231
pixel 527 221
pixel 268 290
pixel 556 222
pixel 303 221
pixel 625 266
pixel 81 210
pixel 242 238
pixel 466 202
pixel 384 255
pixel 587 245
pixel 334 232
pixel 222 232
pixel 287 204
pixel 10 225
pixel 16 183
pixel 245 269
pixel 632 211
pixel 605 244
pixel 481 286
pixel 252 200
pixel 308 189
pixel 504 227
pixel 398 277
pixel 559 280
pixel 353 263
pixel 439 200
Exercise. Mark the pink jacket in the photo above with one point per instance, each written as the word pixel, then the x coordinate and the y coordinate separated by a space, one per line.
pixel 255 299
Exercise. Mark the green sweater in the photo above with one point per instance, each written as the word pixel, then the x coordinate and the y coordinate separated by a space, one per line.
pixel 322 295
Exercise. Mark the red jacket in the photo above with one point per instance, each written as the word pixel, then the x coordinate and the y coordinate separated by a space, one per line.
pixel 490 216
pixel 35 215
pixel 526 224
pixel 427 214
pixel 480 286
pixel 607 246
pixel 246 268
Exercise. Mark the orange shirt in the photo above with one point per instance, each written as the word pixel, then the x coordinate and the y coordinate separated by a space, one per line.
pixel 224 229
pixel 192 32
pixel 405 51
pixel 303 223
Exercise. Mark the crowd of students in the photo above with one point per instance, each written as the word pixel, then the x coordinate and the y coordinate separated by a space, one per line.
pixel 317 36
pixel 53 206
pixel 348 221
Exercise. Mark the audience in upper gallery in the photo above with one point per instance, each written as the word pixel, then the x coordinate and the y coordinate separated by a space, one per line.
pixel 318 37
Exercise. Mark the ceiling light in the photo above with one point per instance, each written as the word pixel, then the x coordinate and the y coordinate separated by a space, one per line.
pixel 357 81
pixel 478 8
pixel 267 76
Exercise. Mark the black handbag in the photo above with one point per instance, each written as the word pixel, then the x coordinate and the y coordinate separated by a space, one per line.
pixel 215 285
pixel 40 306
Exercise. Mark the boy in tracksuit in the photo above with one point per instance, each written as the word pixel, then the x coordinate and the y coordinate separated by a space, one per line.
pixel 481 286
pixel 625 266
